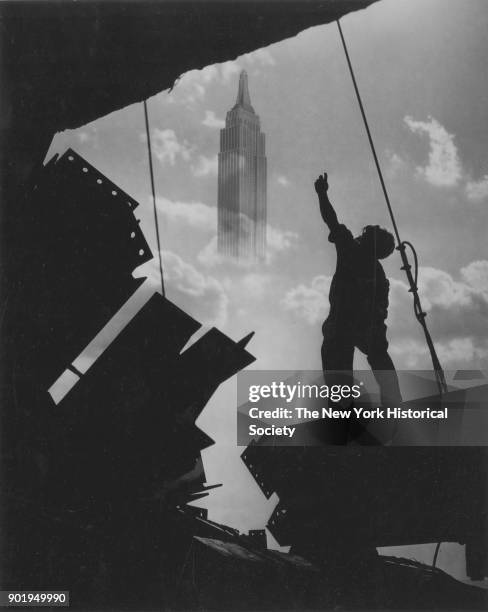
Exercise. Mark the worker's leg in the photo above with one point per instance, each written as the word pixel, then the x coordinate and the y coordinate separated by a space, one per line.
pixel 383 367
pixel 373 343
pixel 337 364
pixel 337 349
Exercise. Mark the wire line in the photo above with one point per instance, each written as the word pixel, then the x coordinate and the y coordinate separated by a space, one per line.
pixel 156 224
pixel 401 246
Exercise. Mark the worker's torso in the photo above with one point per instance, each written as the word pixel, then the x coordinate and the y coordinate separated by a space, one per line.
pixel 359 290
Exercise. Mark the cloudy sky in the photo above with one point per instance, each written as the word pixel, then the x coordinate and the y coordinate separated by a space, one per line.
pixel 421 68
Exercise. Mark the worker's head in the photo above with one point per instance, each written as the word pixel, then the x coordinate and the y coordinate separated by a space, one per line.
pixel 378 241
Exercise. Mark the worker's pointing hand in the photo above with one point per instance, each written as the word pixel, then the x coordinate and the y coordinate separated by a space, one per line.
pixel 321 185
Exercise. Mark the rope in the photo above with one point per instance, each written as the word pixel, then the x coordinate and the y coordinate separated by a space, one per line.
pixel 401 245
pixel 151 173
pixel 436 553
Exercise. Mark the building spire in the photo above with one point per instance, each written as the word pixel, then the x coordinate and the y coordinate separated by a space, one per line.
pixel 243 98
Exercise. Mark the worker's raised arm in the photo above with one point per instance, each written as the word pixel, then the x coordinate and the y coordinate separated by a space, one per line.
pixel 326 210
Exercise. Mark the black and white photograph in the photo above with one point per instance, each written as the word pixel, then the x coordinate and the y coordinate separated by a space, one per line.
pixel 244 304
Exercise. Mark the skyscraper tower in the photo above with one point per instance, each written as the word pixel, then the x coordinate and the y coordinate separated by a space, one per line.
pixel 242 181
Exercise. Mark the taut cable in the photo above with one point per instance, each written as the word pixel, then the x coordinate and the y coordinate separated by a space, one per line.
pixel 401 245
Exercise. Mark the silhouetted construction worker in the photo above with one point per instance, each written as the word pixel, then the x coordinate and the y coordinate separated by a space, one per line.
pixel 358 299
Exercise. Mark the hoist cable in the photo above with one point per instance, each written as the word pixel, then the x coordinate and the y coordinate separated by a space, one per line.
pixel 401 245
pixel 151 173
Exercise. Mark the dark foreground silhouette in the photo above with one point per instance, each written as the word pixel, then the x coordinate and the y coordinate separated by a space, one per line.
pixel 358 302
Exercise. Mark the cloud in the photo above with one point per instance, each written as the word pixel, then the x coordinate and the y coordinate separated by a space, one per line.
pixel 438 288
pixel 476 275
pixel 194 214
pixel 457 309
pixel 441 291
pixel 457 317
pixel 228 70
pixel 88 135
pixel 309 302
pixel 280 240
pixel 453 354
pixel 445 299
pixel 277 241
pixel 282 180
pixel 410 354
pixel 255 285
pixel 212 121
pixel 167 148
pixel 395 164
pixel 202 217
pixel 200 295
pixel 444 167
pixel 261 56
pixel 209 256
pixel 477 190
pixel 206 166
pixel 462 350
pixel 191 88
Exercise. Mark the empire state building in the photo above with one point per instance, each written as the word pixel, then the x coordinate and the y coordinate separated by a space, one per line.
pixel 242 181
